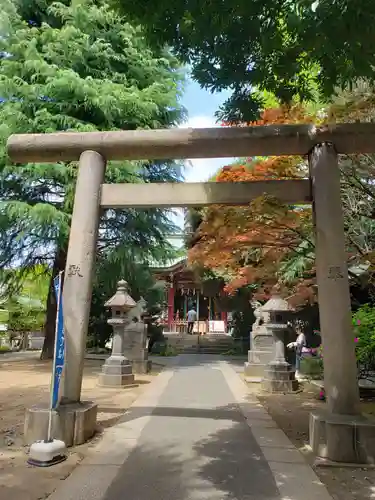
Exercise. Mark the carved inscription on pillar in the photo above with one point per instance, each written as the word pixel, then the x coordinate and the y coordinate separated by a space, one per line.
pixel 335 273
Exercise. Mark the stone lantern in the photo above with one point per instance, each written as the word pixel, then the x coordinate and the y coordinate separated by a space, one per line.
pixel 278 376
pixel 135 339
pixel 117 370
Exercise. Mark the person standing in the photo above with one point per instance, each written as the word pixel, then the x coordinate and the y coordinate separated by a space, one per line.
pixel 298 345
pixel 192 318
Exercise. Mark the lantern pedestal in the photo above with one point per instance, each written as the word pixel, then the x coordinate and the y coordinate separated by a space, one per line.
pixel 117 371
pixel 278 378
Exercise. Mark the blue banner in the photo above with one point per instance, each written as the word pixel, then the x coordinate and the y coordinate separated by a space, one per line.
pixel 59 355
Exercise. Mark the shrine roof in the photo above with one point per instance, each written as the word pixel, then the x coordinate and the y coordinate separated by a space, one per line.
pixel 171 266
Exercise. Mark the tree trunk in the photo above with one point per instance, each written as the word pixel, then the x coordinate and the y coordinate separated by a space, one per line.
pixel 50 324
pixel 24 343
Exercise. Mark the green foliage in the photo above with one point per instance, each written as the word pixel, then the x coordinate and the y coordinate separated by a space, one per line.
pixel 312 367
pixel 95 73
pixel 242 317
pixel 35 283
pixel 155 334
pixel 364 329
pixel 237 350
pixel 8 16
pixel 25 316
pixel 297 263
pixel 38 11
pixel 141 284
pixel 26 310
pixel 164 350
pixel 87 70
pixel 4 316
pixel 292 49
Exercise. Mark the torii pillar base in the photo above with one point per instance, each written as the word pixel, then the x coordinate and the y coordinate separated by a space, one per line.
pixel 72 423
pixel 342 438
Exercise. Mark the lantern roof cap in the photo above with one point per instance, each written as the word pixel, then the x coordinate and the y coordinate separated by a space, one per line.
pixel 276 303
pixel 121 298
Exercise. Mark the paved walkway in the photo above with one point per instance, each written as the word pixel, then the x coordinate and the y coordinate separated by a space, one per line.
pixel 194 435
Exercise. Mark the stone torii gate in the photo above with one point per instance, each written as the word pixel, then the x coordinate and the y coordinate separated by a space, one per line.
pixel 331 434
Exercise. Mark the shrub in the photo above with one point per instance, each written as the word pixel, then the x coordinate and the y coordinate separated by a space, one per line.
pixel 363 321
pixel 312 367
pixel 364 329
pixel 236 350
pixel 167 350
pixel 163 349
pixel 155 335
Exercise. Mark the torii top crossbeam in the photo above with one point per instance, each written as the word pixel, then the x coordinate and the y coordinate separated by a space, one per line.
pixel 269 140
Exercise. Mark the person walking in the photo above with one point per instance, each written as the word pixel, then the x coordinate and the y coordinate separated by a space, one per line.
pixel 191 317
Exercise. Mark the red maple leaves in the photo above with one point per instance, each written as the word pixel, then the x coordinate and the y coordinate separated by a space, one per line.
pixel 246 245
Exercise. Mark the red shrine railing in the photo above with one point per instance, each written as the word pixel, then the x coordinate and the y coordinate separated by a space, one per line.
pixel 201 327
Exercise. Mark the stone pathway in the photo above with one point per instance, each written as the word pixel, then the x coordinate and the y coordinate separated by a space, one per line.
pixel 194 435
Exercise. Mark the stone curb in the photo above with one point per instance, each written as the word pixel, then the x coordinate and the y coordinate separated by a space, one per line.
pixel 294 477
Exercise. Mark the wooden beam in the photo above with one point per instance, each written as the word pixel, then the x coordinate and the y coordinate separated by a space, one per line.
pixel 270 140
pixel 193 194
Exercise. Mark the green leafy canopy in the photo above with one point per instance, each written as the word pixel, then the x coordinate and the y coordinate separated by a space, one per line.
pixel 81 66
pixel 299 48
pixel 93 71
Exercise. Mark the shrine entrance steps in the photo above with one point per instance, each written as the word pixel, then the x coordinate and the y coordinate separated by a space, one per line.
pixel 211 343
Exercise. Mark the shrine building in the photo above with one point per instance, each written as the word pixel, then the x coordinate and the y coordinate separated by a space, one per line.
pixel 184 290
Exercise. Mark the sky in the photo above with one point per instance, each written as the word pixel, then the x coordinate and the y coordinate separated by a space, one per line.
pixel 201 106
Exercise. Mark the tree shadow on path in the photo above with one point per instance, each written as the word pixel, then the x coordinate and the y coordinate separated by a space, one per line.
pixel 225 465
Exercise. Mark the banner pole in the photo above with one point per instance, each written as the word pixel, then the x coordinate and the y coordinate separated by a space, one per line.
pixel 53 451
pixel 50 413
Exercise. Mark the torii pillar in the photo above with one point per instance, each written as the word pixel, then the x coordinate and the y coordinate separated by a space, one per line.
pixel 340 434
pixel 75 420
